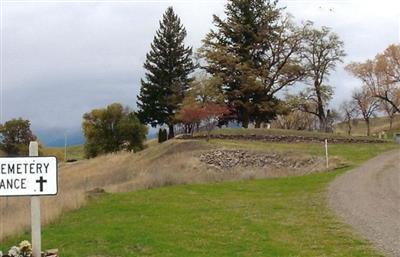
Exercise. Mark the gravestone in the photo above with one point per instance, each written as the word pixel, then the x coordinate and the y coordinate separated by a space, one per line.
pixel 396 138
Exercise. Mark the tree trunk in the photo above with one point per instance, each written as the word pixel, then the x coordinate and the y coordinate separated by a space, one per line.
pixel 320 107
pixel 349 127
pixel 192 130
pixel 171 133
pixel 322 123
pixel 245 119
pixel 368 129
pixel 258 124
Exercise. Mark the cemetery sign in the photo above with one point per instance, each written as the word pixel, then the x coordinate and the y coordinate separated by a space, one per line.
pixel 28 176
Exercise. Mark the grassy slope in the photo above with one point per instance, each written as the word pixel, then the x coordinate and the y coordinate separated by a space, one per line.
pixel 274 217
pixel 262 131
pixel 73 152
pixel 378 124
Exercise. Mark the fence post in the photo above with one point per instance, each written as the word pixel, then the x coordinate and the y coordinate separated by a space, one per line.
pixel 326 153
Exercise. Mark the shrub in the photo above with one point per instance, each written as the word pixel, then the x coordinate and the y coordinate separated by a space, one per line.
pixel 162 135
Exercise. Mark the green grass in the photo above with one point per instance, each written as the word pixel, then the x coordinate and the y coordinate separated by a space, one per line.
pixel 353 154
pixel 286 132
pixel 377 125
pixel 74 152
pixel 272 217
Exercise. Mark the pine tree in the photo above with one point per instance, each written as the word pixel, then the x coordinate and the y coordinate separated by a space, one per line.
pixel 168 66
pixel 255 51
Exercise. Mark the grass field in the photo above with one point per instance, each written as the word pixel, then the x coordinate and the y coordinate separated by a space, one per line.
pixel 263 131
pixel 378 124
pixel 269 217
pixel 74 152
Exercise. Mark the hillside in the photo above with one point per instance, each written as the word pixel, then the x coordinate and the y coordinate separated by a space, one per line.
pixel 180 162
pixel 280 216
pixel 378 124
pixel 173 162
pixel 74 152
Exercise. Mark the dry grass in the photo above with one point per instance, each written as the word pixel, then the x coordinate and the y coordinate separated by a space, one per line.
pixel 377 125
pixel 173 162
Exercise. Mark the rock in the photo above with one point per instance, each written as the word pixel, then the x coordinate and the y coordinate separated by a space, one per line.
pixel 288 138
pixel 51 253
pixel 227 159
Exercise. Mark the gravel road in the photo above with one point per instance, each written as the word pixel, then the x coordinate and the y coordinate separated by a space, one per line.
pixel 368 198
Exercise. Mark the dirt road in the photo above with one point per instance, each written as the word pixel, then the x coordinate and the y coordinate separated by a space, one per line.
pixel 368 198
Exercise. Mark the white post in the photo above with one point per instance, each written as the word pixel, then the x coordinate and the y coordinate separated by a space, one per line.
pixel 326 153
pixel 65 147
pixel 35 211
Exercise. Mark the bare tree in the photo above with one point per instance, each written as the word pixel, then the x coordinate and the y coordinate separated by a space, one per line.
pixel 381 75
pixel 295 120
pixel 350 111
pixel 389 110
pixel 367 104
pixel 323 50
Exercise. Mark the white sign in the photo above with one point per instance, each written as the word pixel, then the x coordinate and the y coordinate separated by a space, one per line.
pixel 28 176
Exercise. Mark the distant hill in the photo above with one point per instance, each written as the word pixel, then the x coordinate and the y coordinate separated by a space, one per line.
pixel 55 137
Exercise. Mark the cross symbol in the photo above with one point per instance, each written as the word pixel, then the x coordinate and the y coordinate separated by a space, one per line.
pixel 41 181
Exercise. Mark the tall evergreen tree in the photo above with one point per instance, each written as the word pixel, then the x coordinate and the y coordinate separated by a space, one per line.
pixel 256 52
pixel 168 66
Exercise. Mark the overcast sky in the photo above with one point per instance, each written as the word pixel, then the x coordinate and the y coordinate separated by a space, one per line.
pixel 63 58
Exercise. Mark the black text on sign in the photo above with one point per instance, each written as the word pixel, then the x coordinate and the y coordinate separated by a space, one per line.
pixel 28 176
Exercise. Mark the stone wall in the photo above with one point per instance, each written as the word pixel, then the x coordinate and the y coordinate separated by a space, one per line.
pixel 287 138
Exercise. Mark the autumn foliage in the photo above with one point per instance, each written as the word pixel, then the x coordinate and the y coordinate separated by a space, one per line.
pixel 207 114
pixel 381 75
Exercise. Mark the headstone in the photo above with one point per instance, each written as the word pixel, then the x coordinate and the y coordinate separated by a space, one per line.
pixel 397 138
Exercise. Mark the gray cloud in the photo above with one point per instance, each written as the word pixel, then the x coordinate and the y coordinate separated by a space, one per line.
pixel 63 59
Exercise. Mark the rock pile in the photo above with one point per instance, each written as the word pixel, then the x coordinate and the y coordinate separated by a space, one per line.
pixel 227 159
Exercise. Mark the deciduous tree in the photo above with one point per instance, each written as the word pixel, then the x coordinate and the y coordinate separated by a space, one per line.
pixel 350 111
pixel 112 129
pixel 389 110
pixel 212 114
pixel 15 136
pixel 255 52
pixel 381 75
pixel 323 50
pixel 191 115
pixel 295 119
pixel 208 114
pixel 367 105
